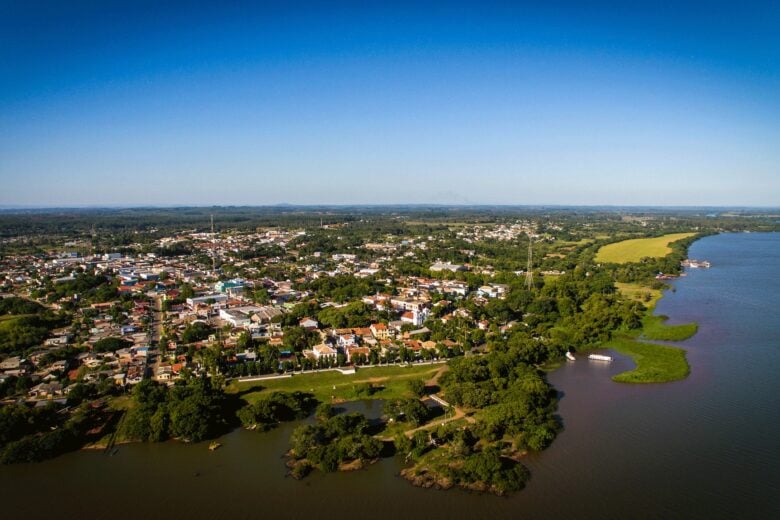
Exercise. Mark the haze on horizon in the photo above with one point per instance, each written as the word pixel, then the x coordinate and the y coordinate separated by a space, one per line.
pixel 130 103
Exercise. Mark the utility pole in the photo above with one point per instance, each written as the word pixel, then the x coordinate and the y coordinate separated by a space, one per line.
pixel 529 273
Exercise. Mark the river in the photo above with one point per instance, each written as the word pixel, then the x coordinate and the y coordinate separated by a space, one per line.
pixel 704 447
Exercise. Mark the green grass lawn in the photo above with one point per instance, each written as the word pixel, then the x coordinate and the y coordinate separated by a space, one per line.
pixel 121 402
pixel 655 363
pixel 637 248
pixel 637 292
pixel 390 383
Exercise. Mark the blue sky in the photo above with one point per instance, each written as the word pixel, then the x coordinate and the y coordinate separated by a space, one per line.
pixel 113 103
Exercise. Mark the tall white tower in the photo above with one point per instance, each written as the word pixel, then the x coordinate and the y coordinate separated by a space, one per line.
pixel 529 273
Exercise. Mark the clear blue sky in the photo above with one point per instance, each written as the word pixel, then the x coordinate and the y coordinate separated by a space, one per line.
pixel 129 103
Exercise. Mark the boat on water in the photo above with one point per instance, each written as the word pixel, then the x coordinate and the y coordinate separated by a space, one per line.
pixel 696 264
pixel 600 357
pixel 214 445
pixel 570 356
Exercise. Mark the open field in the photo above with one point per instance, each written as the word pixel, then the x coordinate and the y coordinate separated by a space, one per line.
pixel 637 248
pixel 634 291
pixel 655 363
pixel 390 383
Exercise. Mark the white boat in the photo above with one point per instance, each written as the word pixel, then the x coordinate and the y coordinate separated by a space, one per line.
pixel 696 264
pixel 570 356
pixel 599 357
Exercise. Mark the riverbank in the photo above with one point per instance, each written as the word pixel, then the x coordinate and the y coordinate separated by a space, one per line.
pixel 655 363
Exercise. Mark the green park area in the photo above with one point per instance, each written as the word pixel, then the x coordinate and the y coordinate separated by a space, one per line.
pixel 637 248
pixel 638 292
pixel 388 382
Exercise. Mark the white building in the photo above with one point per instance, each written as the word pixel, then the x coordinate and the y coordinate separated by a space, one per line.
pixel 446 266
pixel 207 298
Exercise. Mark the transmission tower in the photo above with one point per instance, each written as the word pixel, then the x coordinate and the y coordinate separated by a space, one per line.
pixel 213 251
pixel 529 273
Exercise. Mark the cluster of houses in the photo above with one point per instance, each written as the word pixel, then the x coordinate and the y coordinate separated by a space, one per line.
pixel 357 343
pixel 189 290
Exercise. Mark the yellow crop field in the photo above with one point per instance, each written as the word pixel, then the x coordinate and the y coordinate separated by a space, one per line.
pixel 635 249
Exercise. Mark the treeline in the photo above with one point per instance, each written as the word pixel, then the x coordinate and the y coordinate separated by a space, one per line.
pixel 32 434
pixel 278 407
pixel 126 226
pixel 191 411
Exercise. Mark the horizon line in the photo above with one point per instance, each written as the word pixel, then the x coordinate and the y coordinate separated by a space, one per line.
pixel 25 207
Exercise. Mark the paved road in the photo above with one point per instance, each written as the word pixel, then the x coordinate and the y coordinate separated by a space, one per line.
pixel 157 328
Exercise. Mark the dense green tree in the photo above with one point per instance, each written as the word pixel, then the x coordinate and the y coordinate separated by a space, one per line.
pixel 339 439
pixel 410 410
pixel 193 410
pixel 196 331
pixel 297 338
pixel 111 344
pixel 275 408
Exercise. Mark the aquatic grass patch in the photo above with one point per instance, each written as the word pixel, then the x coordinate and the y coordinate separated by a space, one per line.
pixel 654 363
pixel 654 328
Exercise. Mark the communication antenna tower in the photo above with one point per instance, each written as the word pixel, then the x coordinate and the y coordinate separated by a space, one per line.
pixel 213 252
pixel 529 273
